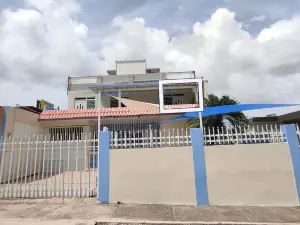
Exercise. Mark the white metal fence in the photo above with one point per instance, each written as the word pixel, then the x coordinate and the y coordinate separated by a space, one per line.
pixel 38 167
pixel 148 138
pixel 147 135
pixel 65 165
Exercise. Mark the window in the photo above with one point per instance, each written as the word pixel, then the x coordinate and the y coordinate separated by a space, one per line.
pixel 114 103
pixel 85 103
pixel 90 102
pixel 173 99
pixel 168 100
pixel 65 133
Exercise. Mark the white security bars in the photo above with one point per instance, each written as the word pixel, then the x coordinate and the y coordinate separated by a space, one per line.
pixel 41 166
pixel 147 138
pixel 151 135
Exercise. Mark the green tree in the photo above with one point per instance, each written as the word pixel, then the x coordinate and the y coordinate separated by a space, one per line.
pixel 233 119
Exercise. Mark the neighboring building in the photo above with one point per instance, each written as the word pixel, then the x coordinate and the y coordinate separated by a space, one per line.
pixel 276 121
pixel 20 121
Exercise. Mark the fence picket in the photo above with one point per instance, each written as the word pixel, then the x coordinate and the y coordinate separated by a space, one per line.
pixel 18 168
pixel 2 173
pixel 35 163
pixel 59 164
pixel 9 168
pixel 15 154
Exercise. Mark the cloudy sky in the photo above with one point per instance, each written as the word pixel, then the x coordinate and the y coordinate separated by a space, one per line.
pixel 249 49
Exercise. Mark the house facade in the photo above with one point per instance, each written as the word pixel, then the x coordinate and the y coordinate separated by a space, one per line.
pixel 131 80
pixel 129 99
pixel 129 105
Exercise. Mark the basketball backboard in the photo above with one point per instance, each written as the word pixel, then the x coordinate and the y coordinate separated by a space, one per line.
pixel 181 103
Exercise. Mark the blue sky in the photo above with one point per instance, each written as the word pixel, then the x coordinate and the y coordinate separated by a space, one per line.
pixel 249 49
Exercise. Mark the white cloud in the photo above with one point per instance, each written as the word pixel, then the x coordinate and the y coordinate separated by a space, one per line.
pixel 42 45
pixel 260 18
pixel 253 69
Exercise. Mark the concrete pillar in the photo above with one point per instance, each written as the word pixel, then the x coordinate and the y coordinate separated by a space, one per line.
pixel 293 142
pixel 199 166
pixel 103 167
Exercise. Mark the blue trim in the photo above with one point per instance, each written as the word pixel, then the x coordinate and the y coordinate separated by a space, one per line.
pixel 47 107
pixel 217 110
pixel 110 94
pixel 103 167
pixel 293 142
pixel 199 166
pixel 3 121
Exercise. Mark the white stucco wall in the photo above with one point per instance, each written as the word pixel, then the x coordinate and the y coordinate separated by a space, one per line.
pixel 131 67
pixel 152 176
pixel 254 174
pixel 105 100
pixel 20 122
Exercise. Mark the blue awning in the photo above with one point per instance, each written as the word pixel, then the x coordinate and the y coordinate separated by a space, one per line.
pixel 217 110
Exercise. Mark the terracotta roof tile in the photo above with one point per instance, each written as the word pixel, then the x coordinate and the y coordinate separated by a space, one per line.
pixel 104 112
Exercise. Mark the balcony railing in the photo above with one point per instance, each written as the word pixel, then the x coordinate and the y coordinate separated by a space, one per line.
pixel 83 83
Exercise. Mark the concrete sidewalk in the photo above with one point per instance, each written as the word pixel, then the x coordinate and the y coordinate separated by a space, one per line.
pixel 88 211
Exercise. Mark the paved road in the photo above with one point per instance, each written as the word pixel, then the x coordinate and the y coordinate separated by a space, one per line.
pixel 87 211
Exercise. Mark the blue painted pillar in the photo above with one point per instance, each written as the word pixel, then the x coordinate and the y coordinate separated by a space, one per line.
pixel 3 121
pixel 2 130
pixel 103 167
pixel 293 143
pixel 199 167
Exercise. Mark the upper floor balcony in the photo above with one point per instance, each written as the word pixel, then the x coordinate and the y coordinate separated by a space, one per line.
pixel 128 82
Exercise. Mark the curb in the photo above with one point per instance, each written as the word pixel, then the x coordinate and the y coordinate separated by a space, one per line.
pixel 191 222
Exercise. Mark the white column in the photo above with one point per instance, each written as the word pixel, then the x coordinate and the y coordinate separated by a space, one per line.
pixel 120 96
pixel 200 113
pixel 200 120
pixel 99 107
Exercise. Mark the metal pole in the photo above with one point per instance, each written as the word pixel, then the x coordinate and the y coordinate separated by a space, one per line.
pixel 120 96
pixel 99 116
pixel 200 113
pixel 200 120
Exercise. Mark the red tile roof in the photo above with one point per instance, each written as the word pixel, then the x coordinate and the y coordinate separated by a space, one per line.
pixel 91 113
pixel 104 112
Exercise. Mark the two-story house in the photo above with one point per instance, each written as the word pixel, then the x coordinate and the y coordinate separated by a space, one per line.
pixel 129 100
pixel 117 83
pixel 128 105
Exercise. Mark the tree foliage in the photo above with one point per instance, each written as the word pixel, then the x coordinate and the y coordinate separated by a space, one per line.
pixel 233 119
